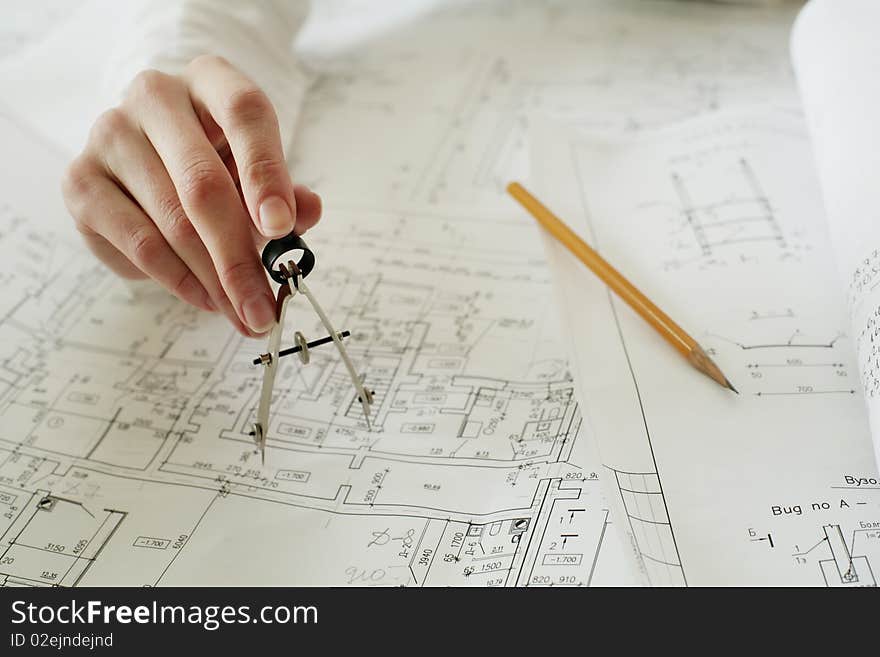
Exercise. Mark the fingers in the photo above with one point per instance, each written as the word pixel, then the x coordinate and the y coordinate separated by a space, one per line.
pixel 181 181
pixel 308 208
pixel 110 220
pixel 112 257
pixel 246 116
pixel 207 194
pixel 128 156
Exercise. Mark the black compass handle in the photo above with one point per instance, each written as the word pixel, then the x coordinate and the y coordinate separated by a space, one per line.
pixel 274 249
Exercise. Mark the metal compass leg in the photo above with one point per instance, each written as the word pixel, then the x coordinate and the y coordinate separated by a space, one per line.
pixel 261 426
pixel 364 396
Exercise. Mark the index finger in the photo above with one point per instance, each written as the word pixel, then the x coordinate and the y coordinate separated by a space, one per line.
pixel 208 196
pixel 248 121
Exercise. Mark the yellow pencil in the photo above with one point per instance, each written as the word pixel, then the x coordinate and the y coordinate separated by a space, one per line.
pixel 661 322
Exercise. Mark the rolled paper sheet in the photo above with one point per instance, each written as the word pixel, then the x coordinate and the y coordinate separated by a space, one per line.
pixel 836 58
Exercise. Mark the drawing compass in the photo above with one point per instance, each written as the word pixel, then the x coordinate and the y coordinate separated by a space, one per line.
pixel 290 275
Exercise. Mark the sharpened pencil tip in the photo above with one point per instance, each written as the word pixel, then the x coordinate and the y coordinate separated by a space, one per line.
pixel 700 359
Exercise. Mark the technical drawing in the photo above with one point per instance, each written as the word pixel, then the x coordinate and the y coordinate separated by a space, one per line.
pixel 647 517
pixel 868 347
pixel 123 459
pixel 844 569
pixel 780 353
pixel 50 541
pixel 691 463
pixel 734 220
pixel 796 340
pixel 124 415
pixel 738 227
pixel 843 558
pixel 864 277
pixel 469 134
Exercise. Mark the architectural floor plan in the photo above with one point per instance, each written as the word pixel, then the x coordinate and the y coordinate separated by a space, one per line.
pixel 124 416
pixel 125 456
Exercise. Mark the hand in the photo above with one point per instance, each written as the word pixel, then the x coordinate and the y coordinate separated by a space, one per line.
pixel 183 182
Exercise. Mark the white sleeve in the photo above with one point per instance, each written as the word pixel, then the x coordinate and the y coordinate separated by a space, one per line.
pixel 59 84
pixel 257 37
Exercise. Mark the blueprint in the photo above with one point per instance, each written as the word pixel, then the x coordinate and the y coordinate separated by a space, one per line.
pixel 725 231
pixel 124 415
pixel 124 450
pixel 448 117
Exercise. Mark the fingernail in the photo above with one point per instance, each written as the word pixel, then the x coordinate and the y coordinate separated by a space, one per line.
pixel 210 304
pixel 259 313
pixel 275 217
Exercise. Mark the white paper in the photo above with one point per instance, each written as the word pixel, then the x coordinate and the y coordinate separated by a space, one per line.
pixel 131 414
pixel 124 449
pixel 837 59
pixel 719 221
